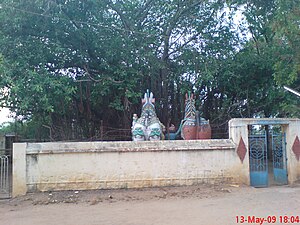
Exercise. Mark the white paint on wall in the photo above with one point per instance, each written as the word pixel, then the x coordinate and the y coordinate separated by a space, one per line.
pixel 106 165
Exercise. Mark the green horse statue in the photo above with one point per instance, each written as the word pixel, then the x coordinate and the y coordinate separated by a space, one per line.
pixel 148 126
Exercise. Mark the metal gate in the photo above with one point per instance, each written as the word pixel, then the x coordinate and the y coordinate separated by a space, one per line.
pixel 5 178
pixel 258 160
pixel 279 158
pixel 259 143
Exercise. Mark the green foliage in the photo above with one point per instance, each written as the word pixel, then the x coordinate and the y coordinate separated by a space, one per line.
pixel 26 130
pixel 287 42
pixel 69 65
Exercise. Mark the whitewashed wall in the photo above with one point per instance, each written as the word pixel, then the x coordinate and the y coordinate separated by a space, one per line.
pixel 103 165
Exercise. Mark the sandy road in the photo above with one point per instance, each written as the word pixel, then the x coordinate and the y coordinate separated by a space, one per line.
pixel 179 206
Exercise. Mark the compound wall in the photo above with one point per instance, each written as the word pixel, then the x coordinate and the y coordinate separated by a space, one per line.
pixel 106 165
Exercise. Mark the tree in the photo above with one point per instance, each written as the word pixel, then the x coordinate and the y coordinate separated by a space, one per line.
pixel 286 25
pixel 74 66
pixel 71 58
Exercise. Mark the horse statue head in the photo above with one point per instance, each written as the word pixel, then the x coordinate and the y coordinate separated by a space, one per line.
pixel 190 109
pixel 188 131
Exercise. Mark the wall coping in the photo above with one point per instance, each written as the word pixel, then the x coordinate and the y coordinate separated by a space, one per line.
pixel 263 121
pixel 128 146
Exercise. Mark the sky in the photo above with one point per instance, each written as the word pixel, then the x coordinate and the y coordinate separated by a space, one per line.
pixel 4 113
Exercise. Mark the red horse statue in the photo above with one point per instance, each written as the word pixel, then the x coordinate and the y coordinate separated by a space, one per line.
pixel 194 127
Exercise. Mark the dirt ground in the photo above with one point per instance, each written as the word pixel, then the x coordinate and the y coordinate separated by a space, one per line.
pixel 193 205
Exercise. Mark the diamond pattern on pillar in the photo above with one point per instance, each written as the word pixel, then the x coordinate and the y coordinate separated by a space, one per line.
pixel 296 148
pixel 241 150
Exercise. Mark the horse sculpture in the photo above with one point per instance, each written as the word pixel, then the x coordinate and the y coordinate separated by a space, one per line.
pixel 188 129
pixel 148 126
pixel 193 126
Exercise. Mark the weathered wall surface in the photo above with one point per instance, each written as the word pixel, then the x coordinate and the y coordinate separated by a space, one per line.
pixel 101 165
pixel 293 164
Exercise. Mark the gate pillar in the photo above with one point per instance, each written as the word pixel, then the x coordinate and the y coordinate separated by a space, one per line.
pixel 19 169
pixel 238 133
pixel 293 160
